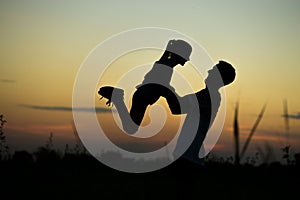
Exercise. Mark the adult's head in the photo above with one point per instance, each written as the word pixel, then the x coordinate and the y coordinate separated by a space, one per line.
pixel 222 70
pixel 177 52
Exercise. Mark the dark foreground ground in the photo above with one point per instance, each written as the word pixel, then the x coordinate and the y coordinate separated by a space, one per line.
pixel 83 177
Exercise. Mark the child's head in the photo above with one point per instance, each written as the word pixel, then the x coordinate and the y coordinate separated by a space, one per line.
pixel 177 52
pixel 180 48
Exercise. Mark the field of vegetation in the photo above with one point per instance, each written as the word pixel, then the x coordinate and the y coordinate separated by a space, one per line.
pixel 74 173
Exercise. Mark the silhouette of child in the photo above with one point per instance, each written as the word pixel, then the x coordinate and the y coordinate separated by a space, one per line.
pixel 156 84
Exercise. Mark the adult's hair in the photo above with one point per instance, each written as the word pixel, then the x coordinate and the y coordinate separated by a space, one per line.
pixel 227 72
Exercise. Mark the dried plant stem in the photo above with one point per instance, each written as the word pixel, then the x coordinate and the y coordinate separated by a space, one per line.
pixel 236 135
pixel 252 131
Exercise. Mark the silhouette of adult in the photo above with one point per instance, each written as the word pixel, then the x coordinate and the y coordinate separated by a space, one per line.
pixel 209 99
pixel 156 84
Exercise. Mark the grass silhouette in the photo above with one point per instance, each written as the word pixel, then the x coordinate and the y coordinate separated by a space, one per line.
pixel 74 173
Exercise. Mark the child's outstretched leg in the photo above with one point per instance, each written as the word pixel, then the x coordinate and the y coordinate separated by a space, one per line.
pixel 115 96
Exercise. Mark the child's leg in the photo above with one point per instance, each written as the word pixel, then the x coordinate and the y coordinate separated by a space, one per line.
pixel 115 95
pixel 137 111
pixel 144 96
pixel 128 124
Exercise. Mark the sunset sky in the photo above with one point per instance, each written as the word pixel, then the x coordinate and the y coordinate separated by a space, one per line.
pixel 44 43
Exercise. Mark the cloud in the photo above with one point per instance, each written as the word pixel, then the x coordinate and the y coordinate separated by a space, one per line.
pixel 7 81
pixel 67 109
pixel 295 116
